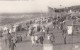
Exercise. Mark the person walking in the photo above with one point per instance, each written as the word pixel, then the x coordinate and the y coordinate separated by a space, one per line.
pixel 12 45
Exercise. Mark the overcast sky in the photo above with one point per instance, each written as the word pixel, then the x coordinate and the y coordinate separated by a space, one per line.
pixel 34 5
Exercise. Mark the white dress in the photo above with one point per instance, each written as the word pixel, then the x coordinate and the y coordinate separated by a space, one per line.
pixel 32 40
pixel 36 37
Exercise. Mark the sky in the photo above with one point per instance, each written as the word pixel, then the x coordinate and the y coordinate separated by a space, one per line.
pixel 25 6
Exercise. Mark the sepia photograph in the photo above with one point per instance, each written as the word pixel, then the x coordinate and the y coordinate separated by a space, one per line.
pixel 39 24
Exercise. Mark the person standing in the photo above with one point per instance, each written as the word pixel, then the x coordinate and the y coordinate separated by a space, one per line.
pixel 9 38
pixel 47 30
pixel 52 38
pixel 64 35
pixel 41 39
pixel 36 40
pixel 33 40
pixel 12 45
pixel 54 24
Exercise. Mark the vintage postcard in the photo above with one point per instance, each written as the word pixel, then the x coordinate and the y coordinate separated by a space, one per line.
pixel 39 24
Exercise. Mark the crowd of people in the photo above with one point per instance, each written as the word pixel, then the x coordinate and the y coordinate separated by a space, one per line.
pixel 38 30
pixel 43 29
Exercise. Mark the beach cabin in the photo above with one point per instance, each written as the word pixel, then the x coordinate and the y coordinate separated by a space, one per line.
pixel 76 27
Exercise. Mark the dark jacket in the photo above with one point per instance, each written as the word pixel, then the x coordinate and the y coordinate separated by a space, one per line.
pixel 12 45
